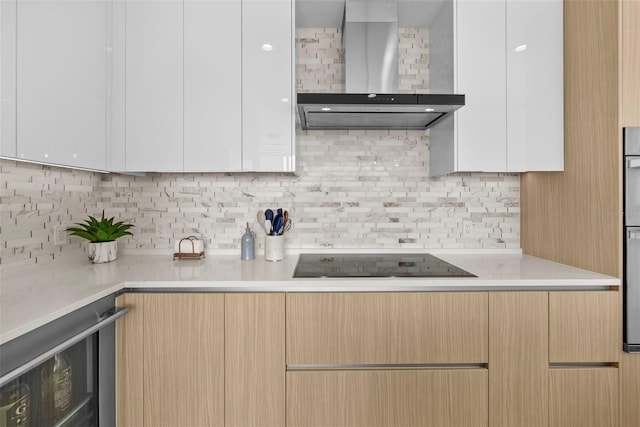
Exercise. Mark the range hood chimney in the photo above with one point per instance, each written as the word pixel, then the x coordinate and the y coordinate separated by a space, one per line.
pixel 372 101
pixel 370 43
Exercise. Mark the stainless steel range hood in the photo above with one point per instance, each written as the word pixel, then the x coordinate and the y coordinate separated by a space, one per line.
pixel 371 101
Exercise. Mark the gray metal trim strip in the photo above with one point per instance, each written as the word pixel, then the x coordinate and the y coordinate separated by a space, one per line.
pixel 581 365
pixel 292 287
pixel 387 366
pixel 26 367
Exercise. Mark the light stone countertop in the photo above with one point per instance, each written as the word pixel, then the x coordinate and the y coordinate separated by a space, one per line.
pixel 30 298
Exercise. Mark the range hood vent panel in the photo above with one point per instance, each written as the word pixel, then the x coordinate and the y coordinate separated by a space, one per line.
pixel 362 111
pixel 370 120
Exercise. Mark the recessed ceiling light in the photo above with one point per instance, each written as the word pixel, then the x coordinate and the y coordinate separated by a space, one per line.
pixel 284 99
pixel 267 47
pixel 429 110
pixel 326 109
pixel 521 48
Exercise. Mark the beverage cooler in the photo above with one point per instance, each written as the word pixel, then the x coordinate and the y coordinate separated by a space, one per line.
pixel 63 373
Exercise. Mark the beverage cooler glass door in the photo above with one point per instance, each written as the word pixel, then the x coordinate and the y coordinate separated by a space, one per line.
pixel 65 380
pixel 632 290
pixel 59 392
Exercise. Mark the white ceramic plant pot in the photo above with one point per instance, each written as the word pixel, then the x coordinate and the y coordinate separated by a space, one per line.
pixel 103 252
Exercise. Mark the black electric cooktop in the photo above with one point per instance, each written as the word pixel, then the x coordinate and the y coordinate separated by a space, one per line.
pixel 379 265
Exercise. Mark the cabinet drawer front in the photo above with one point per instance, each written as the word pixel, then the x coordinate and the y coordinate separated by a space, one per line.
pixel 387 398
pixel 584 326
pixel 583 397
pixel 387 328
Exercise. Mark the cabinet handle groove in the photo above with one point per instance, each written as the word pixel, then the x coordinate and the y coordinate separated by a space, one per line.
pixel 387 366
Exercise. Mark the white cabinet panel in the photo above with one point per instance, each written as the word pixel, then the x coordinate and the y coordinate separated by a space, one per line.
pixel 267 92
pixel 61 63
pixel 443 139
pixel 212 86
pixel 197 92
pixel 481 77
pixel 510 72
pixel 154 86
pixel 535 113
pixel 116 146
pixel 8 78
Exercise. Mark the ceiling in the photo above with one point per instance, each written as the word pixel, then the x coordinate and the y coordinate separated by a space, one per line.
pixel 329 13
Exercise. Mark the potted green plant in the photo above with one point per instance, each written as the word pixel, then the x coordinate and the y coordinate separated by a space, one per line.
pixel 102 235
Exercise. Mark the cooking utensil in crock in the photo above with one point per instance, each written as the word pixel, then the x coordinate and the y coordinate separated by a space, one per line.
pixel 261 219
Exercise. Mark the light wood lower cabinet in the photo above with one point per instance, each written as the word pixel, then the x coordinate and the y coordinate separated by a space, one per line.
pixel 170 360
pixel 438 398
pixel 518 359
pixel 130 362
pixel 183 360
pixel 584 397
pixel 387 328
pixel 254 360
pixel 528 332
pixel 201 360
pixel 584 326
pixel 630 389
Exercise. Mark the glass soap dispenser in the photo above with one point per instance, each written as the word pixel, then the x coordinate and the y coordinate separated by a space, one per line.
pixel 247 246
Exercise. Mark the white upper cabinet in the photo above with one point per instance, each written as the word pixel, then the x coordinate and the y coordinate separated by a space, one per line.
pixel 267 86
pixel 8 78
pixel 507 61
pixel 154 86
pixel 482 122
pixel 212 86
pixel 201 90
pixel 535 92
pixel 62 84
